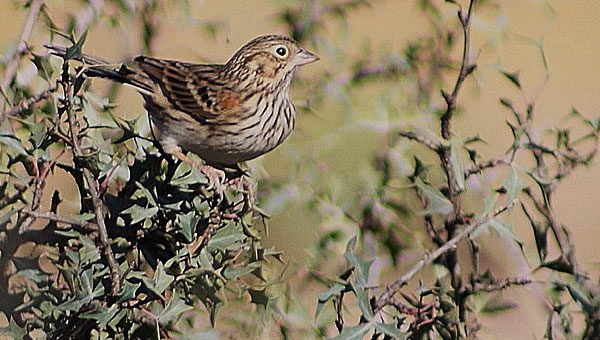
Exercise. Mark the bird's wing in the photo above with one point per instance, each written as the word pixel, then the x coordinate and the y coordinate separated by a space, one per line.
pixel 191 88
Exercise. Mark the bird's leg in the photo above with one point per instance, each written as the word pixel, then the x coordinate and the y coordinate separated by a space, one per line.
pixel 216 177
pixel 216 181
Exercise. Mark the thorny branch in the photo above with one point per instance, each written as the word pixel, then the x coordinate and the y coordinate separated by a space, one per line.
pixel 11 68
pixel 547 182
pixel 498 285
pixel 88 226
pixel 492 163
pixel 428 259
pixel 433 145
pixel 20 202
pixel 28 103
pixel 456 217
pixel 466 67
pixel 67 102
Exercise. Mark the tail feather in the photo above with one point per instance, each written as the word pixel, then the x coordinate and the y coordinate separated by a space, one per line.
pixel 98 67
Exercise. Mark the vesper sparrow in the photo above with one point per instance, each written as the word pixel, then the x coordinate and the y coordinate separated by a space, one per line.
pixel 226 114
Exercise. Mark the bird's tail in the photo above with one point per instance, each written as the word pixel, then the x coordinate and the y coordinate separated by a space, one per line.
pixel 98 67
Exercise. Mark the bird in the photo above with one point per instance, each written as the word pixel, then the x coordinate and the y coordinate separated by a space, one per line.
pixel 224 113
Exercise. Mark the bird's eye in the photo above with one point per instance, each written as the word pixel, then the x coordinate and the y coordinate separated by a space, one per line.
pixel 281 51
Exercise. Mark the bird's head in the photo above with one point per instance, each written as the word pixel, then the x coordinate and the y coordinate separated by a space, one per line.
pixel 271 59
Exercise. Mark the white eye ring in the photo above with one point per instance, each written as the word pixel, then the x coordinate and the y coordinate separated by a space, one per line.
pixel 280 51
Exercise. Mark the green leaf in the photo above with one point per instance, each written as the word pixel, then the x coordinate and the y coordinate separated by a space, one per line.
pixel 353 333
pixel 513 185
pixel 101 314
pixel 129 291
pixel 38 135
pixel 363 302
pixel 146 193
pixel 4 219
pixel 86 283
pixel 174 308
pixel 232 273
pixel 504 230
pixel 120 315
pixel 436 201
pixel 264 254
pixel 206 260
pixel 14 143
pixel 457 162
pixel 214 310
pixel 89 252
pixel 162 280
pixel 84 217
pixel 43 65
pixel 361 267
pixel 259 297
pixel 187 223
pixel 490 203
pixel 74 51
pixel 185 175
pixel 138 213
pixel 390 330
pixel 582 300
pixel 34 275
pixel 226 237
pixel 13 330
pixel 333 291
pixel 73 304
pixel 513 78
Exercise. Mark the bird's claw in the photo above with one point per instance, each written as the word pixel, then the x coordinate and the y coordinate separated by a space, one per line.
pixel 216 179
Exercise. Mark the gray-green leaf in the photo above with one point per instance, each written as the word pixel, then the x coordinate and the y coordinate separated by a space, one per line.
pixel 436 201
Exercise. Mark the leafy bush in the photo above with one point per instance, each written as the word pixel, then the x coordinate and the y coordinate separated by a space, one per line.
pixel 143 239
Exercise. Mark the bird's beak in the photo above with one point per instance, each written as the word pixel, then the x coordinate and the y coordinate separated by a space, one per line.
pixel 304 57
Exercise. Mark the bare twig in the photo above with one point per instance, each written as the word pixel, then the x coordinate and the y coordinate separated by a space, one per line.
pixel 456 218
pixel 428 259
pixel 39 185
pixel 403 308
pixel 498 285
pixel 492 163
pixel 87 226
pixel 11 68
pixel 28 103
pixel 465 69
pixel 433 145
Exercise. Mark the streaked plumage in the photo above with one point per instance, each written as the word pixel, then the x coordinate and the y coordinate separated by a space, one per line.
pixel 226 113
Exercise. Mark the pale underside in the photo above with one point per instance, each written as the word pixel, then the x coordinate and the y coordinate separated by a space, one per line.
pixel 268 125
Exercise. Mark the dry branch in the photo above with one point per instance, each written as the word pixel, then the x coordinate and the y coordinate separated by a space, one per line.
pixel 428 259
pixel 11 69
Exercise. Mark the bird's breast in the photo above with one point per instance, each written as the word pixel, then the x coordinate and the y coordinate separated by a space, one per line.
pixel 258 127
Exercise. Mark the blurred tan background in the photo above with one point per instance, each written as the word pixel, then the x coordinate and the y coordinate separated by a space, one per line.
pixel 571 38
